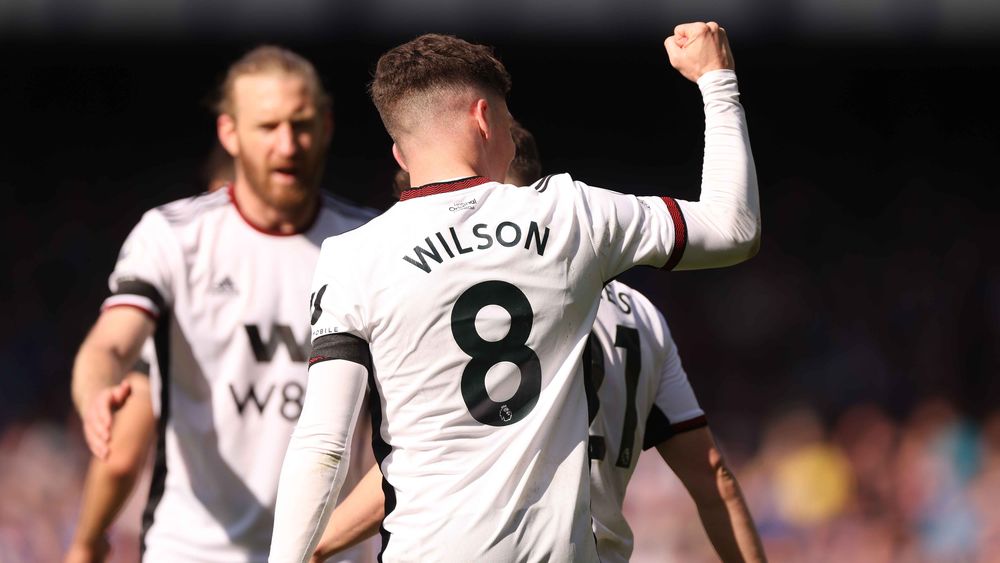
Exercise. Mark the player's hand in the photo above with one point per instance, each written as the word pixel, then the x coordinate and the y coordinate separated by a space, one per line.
pixel 697 48
pixel 97 419
pixel 87 553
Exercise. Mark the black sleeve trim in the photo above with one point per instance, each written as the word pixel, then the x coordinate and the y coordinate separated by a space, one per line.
pixel 142 289
pixel 659 429
pixel 141 366
pixel 341 347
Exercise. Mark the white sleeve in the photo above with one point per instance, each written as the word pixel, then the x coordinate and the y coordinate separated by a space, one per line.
pixel 720 229
pixel 723 227
pixel 142 277
pixel 317 459
pixel 625 230
pixel 675 408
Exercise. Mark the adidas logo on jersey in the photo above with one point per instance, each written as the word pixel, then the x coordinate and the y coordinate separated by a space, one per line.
pixel 226 287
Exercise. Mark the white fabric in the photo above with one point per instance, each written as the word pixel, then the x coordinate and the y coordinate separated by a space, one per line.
pixel 661 383
pixel 236 329
pixel 486 280
pixel 724 224
pixel 317 448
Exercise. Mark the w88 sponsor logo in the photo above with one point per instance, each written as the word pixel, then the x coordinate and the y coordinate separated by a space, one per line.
pixel 287 398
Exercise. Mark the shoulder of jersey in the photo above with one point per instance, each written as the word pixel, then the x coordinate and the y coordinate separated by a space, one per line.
pixel 347 209
pixel 639 299
pixel 185 210
pixel 546 183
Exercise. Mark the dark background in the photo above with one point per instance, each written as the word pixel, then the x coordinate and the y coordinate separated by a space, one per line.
pixel 877 279
pixel 862 341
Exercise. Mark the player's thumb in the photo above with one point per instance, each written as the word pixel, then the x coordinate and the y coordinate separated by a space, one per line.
pixel 120 393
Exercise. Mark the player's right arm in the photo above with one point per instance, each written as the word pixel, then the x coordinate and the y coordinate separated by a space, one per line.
pixel 676 426
pixel 724 514
pixel 141 292
pixel 110 349
pixel 110 481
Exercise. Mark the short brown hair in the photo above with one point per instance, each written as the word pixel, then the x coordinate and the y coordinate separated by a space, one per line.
pixel 526 168
pixel 431 62
pixel 271 58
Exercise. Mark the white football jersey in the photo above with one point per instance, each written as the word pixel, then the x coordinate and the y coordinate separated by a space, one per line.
pixel 475 301
pixel 644 398
pixel 232 342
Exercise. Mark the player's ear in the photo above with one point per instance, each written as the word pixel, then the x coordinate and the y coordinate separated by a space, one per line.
pixel 480 112
pixel 398 155
pixel 225 127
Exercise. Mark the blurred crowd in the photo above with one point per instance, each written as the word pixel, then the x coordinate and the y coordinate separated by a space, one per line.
pixel 867 487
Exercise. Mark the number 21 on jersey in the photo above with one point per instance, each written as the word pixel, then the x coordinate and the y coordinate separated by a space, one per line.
pixel 626 338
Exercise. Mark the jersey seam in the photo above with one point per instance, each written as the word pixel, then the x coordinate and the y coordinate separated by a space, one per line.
pixel 590 236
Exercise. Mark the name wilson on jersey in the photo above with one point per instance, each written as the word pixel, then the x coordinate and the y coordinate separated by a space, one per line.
pixel 483 237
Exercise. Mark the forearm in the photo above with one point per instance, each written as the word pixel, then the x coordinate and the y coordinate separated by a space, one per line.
pixel 109 351
pixel 104 495
pixel 109 482
pixel 356 519
pixel 317 458
pixel 729 525
pixel 700 466
pixel 723 226
pixel 95 368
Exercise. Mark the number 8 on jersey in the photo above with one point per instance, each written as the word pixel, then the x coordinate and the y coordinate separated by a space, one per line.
pixel 485 353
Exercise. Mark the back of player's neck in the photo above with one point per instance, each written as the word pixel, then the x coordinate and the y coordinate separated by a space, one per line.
pixel 444 172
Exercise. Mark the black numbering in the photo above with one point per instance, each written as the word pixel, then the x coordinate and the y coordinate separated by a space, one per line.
pixel 628 338
pixel 485 353
pixel 593 373
pixel 314 304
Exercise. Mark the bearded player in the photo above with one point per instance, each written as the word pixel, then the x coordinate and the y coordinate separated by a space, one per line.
pixel 219 282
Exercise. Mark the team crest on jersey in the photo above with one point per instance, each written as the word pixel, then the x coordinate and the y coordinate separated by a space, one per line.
pixel 225 286
pixel 505 414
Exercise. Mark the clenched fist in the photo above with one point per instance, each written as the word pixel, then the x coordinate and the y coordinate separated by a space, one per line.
pixel 696 48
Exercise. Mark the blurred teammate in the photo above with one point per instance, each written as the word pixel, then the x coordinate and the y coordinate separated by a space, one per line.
pixel 220 281
pixel 110 481
pixel 469 306
pixel 643 398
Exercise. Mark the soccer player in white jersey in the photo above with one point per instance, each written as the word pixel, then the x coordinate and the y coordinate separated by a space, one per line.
pixel 638 395
pixel 644 400
pixel 469 305
pixel 220 282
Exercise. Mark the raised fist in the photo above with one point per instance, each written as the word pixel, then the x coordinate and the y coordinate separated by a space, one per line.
pixel 696 48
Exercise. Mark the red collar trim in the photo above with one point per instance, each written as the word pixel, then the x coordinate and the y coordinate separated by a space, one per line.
pixel 232 197
pixel 442 187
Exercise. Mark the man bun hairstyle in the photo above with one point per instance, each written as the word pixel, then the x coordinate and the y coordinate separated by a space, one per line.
pixel 429 63
pixel 271 58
